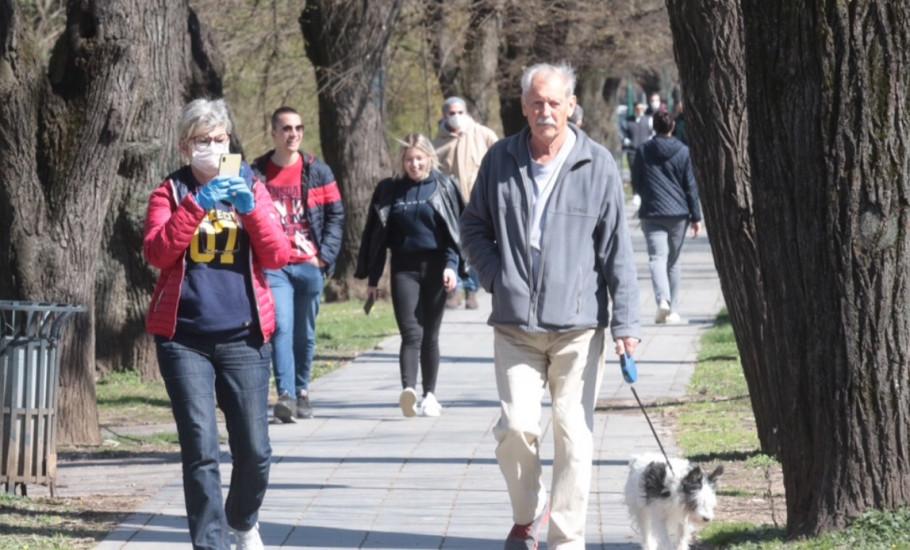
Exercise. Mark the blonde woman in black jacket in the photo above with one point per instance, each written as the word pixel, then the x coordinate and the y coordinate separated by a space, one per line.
pixel 415 216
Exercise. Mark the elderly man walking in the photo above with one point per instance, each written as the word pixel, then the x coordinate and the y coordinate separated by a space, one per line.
pixel 546 232
pixel 460 145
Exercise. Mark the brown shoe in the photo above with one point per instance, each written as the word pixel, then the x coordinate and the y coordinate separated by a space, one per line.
pixel 470 300
pixel 453 300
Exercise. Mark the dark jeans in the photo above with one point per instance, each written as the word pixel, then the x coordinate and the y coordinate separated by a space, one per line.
pixel 419 300
pixel 235 375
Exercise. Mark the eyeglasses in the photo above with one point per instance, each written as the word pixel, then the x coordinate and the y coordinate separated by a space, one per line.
pixel 200 142
pixel 288 129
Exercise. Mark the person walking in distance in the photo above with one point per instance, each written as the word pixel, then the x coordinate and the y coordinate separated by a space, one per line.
pixel 308 203
pixel 415 215
pixel 460 145
pixel 663 177
pixel 537 190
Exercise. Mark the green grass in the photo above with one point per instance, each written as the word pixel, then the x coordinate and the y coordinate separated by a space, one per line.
pixel 718 421
pixel 875 530
pixel 717 424
pixel 342 331
pixel 50 524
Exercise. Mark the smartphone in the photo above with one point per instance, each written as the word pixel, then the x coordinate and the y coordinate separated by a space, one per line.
pixel 229 165
pixel 368 305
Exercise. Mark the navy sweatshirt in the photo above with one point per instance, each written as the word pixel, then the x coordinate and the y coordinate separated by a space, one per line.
pixel 414 226
pixel 216 299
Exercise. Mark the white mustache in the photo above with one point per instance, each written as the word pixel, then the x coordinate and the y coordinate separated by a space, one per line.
pixel 546 121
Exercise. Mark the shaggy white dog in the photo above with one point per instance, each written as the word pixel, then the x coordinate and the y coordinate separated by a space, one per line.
pixel 666 505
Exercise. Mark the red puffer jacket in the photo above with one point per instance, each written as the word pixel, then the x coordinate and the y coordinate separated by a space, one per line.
pixel 171 221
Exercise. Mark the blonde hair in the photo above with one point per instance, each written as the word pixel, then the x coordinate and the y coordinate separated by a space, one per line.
pixel 422 144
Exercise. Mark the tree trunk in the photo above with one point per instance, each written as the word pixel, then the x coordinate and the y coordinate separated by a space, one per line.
pixel 346 42
pixel 596 93
pixel 480 68
pixel 712 70
pixel 69 130
pixel 828 118
pixel 186 66
pixel 830 312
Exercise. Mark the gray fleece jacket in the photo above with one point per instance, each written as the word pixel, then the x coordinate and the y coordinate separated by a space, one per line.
pixel 586 253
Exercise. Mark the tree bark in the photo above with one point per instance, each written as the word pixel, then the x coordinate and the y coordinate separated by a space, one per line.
pixel 827 115
pixel 346 42
pixel 712 71
pixel 186 64
pixel 70 143
pixel 480 69
pixel 828 312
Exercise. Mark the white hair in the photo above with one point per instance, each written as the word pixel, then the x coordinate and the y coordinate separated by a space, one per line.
pixel 454 100
pixel 564 70
pixel 203 114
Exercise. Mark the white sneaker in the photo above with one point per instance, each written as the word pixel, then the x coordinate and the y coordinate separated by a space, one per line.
pixel 430 406
pixel 408 402
pixel 249 540
pixel 673 319
pixel 663 311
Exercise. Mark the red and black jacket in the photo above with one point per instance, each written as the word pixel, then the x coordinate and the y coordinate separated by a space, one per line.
pixel 324 211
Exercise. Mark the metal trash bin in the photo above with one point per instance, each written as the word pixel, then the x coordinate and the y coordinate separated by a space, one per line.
pixel 29 377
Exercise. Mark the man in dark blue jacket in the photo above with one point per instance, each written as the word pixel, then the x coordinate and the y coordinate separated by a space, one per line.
pixel 308 204
pixel 662 176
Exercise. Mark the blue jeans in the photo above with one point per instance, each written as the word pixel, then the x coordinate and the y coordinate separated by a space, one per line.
pixel 235 376
pixel 470 283
pixel 297 289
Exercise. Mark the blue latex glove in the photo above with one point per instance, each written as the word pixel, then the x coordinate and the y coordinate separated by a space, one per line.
pixel 216 190
pixel 629 369
pixel 241 196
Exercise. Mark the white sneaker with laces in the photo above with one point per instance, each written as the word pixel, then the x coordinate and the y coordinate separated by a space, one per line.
pixel 430 406
pixel 249 540
pixel 674 319
pixel 663 311
pixel 408 402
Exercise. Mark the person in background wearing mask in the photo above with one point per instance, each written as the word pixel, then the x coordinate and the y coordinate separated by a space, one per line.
pixel 460 145
pixel 655 104
pixel 415 216
pixel 309 206
pixel 635 131
pixel 212 316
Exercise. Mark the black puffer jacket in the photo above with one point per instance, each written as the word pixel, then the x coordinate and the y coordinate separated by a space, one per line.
pixel 446 200
pixel 663 177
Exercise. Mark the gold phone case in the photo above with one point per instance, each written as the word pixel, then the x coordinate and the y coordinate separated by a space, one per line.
pixel 229 165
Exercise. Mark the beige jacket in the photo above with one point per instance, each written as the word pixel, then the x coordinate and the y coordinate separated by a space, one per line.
pixel 460 155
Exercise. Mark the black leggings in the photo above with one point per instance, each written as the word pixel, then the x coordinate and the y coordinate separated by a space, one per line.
pixel 419 299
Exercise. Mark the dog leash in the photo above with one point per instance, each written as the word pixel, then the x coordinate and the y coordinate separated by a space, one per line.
pixel 630 375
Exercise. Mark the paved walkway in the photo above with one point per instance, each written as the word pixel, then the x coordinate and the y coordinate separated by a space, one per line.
pixel 360 475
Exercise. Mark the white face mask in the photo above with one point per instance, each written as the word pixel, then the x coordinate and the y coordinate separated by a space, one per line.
pixel 458 122
pixel 207 159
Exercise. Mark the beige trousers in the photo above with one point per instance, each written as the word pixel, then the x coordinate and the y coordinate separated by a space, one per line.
pixel 572 364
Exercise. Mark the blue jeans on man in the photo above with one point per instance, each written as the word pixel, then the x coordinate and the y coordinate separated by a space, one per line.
pixel 297 289
pixel 235 376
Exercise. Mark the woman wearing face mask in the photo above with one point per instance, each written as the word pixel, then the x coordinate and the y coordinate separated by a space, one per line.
pixel 212 315
pixel 415 215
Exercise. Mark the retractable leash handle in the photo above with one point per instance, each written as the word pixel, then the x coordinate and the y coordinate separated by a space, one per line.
pixel 629 368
